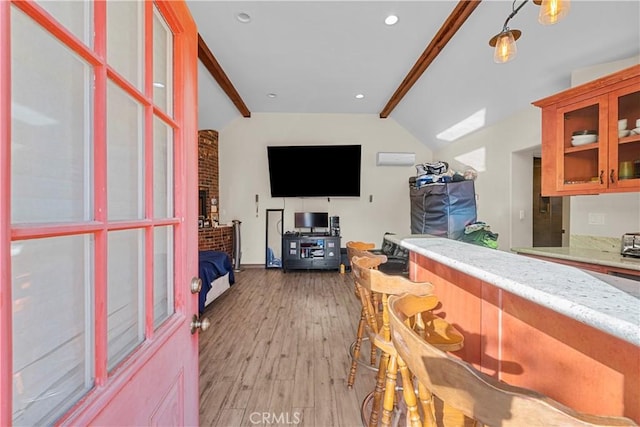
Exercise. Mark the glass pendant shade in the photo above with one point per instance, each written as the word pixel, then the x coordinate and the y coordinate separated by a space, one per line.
pixel 552 11
pixel 505 47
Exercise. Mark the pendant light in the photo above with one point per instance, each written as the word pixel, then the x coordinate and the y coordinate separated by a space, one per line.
pixel 505 45
pixel 551 11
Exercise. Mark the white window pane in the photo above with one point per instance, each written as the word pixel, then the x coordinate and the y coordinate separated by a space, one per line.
pixel 52 321
pixel 125 157
pixel 162 64
pixel 162 274
pixel 51 128
pixel 162 169
pixel 125 27
pixel 76 16
pixel 125 294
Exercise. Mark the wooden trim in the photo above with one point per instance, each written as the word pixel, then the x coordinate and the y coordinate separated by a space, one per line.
pixel 592 88
pixel 211 64
pixel 149 138
pixel 462 11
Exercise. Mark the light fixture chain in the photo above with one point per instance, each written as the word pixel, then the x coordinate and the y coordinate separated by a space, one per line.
pixel 513 13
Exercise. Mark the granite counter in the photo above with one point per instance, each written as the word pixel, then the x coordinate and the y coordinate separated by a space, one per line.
pixel 567 290
pixel 570 334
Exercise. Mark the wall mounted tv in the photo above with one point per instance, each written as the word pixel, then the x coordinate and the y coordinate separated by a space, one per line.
pixel 314 170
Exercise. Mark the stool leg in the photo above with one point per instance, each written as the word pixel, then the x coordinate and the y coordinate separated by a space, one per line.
pixel 377 393
pixel 356 350
pixel 389 391
pixel 426 402
pixel 409 394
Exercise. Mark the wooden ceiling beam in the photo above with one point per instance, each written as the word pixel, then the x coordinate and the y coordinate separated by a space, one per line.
pixel 462 11
pixel 211 64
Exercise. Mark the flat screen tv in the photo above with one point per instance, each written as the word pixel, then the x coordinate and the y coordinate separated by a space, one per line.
pixel 314 170
pixel 311 220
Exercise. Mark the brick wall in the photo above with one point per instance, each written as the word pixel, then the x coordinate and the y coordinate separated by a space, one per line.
pixel 216 239
pixel 211 238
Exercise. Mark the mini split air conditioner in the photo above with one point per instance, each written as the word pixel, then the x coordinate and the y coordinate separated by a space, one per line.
pixel 395 159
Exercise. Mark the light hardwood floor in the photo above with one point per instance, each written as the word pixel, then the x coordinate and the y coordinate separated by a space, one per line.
pixel 277 352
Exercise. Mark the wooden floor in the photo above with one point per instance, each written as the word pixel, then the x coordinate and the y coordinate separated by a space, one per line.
pixel 277 352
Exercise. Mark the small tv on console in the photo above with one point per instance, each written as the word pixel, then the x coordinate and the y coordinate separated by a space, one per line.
pixel 314 170
pixel 311 220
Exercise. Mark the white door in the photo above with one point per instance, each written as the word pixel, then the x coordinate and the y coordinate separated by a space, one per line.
pixel 98 216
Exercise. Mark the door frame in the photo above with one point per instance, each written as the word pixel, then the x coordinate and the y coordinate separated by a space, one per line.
pixel 116 387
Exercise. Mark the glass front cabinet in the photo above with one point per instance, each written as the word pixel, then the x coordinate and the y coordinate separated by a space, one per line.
pixel 591 137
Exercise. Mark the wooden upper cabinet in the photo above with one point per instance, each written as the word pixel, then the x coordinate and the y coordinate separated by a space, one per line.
pixel 583 167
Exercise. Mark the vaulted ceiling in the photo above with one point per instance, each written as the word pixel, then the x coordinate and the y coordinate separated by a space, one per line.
pixel 315 56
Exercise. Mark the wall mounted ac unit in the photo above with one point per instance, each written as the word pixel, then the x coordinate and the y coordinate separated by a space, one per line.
pixel 395 159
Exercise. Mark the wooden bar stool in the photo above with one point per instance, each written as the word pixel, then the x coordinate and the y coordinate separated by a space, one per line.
pixel 433 328
pixel 361 249
pixel 473 393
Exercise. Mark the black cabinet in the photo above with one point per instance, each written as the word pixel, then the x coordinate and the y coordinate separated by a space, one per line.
pixel 300 252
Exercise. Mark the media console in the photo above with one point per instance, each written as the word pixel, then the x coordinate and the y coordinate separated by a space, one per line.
pixel 310 252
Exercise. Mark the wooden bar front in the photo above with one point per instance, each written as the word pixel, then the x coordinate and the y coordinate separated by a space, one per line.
pixel 523 343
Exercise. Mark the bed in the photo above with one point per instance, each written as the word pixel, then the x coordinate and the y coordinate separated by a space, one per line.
pixel 216 272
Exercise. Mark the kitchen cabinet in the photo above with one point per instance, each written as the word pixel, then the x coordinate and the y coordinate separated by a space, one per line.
pixel 596 106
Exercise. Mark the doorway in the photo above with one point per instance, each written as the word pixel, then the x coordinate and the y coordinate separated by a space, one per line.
pixel 98 243
pixel 547 213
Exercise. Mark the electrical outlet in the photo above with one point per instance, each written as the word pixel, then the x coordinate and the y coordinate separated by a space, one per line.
pixel 596 218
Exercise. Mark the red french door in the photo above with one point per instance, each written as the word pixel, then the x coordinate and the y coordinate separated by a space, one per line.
pixel 98 242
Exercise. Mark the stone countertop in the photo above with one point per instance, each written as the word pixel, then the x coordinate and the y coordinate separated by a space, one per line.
pixel 575 293
pixel 590 256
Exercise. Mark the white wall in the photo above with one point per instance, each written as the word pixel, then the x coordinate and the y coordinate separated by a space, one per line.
pixel 504 186
pixel 244 173
pixel 605 215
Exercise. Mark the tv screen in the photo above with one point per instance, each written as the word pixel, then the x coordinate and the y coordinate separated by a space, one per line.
pixel 311 219
pixel 314 170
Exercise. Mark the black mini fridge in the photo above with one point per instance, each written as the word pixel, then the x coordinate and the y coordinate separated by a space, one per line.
pixel 443 209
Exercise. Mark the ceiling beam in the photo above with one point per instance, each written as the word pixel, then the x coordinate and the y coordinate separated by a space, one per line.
pixel 211 64
pixel 462 11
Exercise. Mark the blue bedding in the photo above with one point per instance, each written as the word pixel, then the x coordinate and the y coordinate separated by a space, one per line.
pixel 211 265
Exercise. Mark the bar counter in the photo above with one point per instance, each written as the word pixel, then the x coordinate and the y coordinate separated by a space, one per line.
pixel 570 334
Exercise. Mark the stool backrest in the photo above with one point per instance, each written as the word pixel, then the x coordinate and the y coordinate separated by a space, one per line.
pixel 377 281
pixel 358 248
pixel 473 393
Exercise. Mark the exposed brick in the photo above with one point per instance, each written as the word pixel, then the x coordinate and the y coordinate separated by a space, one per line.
pixel 211 238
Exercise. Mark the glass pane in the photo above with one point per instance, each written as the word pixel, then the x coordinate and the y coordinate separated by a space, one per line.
pixel 125 294
pixel 51 127
pixel 581 149
pixel 162 64
pixel 76 16
pixel 162 169
pixel 125 189
pixel 52 321
pixel 162 274
pixel 125 47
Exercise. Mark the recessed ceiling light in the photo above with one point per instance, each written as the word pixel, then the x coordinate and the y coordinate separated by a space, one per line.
pixel 158 84
pixel 359 96
pixel 391 20
pixel 243 17
pixel 271 95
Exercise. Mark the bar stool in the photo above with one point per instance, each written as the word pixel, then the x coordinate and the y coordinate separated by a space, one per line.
pixel 361 249
pixel 371 281
pixel 473 393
